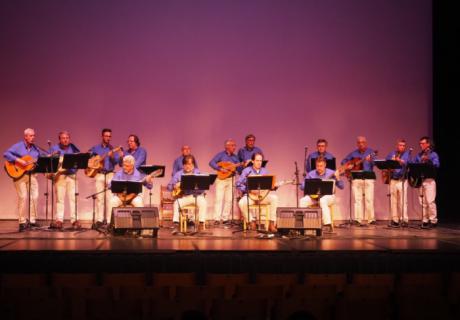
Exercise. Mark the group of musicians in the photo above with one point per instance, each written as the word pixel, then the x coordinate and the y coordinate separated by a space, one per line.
pixel 233 170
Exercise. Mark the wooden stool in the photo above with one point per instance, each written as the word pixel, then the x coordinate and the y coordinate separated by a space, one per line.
pixel 264 212
pixel 185 213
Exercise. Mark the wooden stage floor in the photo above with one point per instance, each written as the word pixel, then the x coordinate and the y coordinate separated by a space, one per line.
pixel 373 248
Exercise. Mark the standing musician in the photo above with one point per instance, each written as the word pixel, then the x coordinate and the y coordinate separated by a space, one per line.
pixel 428 189
pixel 245 153
pixel 23 148
pixel 325 201
pixel 321 146
pixel 65 182
pixel 178 163
pixel 398 187
pixel 188 195
pixel 226 163
pixel 362 159
pixel 130 173
pixel 109 158
pixel 135 150
pixel 245 201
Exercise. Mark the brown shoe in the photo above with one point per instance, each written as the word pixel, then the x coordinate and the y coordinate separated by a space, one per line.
pixel 253 225
pixel 271 227
pixel 76 225
pixel 57 224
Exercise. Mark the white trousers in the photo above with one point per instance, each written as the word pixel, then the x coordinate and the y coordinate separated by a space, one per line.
pixel 22 189
pixel 65 184
pixel 271 199
pixel 428 190
pixel 398 198
pixel 137 202
pixel 223 202
pixel 366 187
pixel 324 203
pixel 189 200
pixel 101 183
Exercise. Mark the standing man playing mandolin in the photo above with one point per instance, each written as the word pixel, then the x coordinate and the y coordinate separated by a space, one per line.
pixel 23 155
pixel 362 159
pixel 226 163
pixel 104 160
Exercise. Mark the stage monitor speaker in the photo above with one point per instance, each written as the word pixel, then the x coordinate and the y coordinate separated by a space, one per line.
pixel 291 218
pixel 135 219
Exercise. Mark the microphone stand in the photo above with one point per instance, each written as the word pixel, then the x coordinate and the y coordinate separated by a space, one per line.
pixel 297 184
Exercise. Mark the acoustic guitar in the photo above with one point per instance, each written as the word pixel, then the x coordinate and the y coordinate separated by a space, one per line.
pixel 260 195
pixel 128 197
pixel 354 164
pixel 15 170
pixel 96 163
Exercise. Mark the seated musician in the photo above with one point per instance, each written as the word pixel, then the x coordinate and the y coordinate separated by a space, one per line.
pixel 246 200
pixel 325 201
pixel 187 197
pixel 130 173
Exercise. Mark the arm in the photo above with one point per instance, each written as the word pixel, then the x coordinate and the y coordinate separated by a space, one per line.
pixel 241 182
pixel 174 180
pixel 12 154
pixel 213 162
pixel 141 158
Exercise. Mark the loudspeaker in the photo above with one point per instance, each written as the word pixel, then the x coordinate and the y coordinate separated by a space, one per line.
pixel 288 218
pixel 128 218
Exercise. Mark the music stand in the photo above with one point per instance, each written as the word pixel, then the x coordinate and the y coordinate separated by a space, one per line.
pixel 330 163
pixel 318 187
pixel 76 161
pixel 363 175
pixel 422 171
pixel 148 170
pixel 256 182
pixel 196 183
pixel 389 165
pixel 47 164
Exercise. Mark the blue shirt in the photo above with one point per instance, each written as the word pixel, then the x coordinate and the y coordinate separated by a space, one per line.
pixel 367 165
pixel 136 176
pixel 109 162
pixel 140 155
pixel 433 158
pixel 20 150
pixel 178 178
pixel 246 154
pixel 223 156
pixel 249 171
pixel 58 149
pixel 314 155
pixel 398 173
pixel 177 165
pixel 328 175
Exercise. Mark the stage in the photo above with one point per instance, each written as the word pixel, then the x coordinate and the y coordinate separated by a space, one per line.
pixel 372 249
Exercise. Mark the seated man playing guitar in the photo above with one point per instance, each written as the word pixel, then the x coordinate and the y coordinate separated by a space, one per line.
pixel 130 173
pixel 21 158
pixel 325 201
pixel 267 198
pixel 185 198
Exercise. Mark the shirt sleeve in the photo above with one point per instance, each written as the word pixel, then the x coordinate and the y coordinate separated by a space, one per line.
pixel 11 154
pixel 213 162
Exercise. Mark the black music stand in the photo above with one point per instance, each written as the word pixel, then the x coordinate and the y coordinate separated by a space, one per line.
pixel 363 175
pixel 48 164
pixel 255 182
pixel 422 171
pixel 76 161
pixel 390 165
pixel 196 183
pixel 318 187
pixel 148 170
pixel 330 163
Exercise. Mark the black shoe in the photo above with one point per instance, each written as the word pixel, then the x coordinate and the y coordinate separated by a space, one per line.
pixel 34 225
pixel 22 227
pixel 425 225
pixel 404 224
pixel 373 223
pixel 357 223
pixel 190 223
pixel 216 223
pixel 394 224
pixel 98 224
pixel 226 222
pixel 433 225
pixel 327 228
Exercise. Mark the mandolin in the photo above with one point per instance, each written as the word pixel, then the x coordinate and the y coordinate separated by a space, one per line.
pixel 16 170
pixel 96 163
pixel 230 167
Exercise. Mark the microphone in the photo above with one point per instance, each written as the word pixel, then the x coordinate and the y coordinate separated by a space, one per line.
pixel 49 142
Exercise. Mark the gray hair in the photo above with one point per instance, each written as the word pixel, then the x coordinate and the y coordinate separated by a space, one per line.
pixel 129 159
